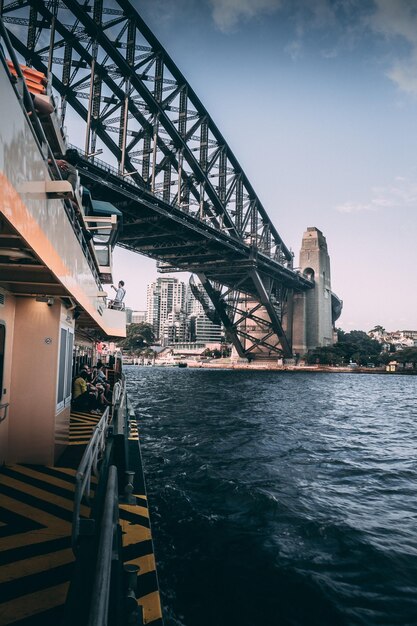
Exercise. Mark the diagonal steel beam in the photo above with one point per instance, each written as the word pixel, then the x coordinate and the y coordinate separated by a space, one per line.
pixel 220 307
pixel 275 321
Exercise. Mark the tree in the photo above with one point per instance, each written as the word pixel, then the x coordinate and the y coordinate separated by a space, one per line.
pixel 378 329
pixel 328 355
pixel 138 337
pixel 340 334
pixel 353 346
pixel 407 355
pixel 357 346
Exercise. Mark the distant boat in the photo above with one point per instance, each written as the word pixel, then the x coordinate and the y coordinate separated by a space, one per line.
pixel 182 364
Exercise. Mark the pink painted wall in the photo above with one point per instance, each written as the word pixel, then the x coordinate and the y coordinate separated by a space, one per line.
pixel 7 313
pixel 34 382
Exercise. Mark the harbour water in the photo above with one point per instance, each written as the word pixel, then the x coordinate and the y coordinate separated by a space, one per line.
pixel 281 499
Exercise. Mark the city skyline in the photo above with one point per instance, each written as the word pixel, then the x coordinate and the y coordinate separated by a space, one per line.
pixel 318 102
pixel 143 311
pixel 177 312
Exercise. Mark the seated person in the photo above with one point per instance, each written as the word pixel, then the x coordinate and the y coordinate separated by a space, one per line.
pixel 86 368
pixel 66 164
pixel 101 378
pixel 84 396
pixel 102 401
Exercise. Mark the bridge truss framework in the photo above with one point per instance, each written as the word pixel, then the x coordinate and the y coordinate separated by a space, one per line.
pixel 173 164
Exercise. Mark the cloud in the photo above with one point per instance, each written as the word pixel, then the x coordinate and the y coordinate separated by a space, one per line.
pixel 355 207
pixel 402 193
pixel 294 49
pixel 404 74
pixel 228 13
pixel 398 20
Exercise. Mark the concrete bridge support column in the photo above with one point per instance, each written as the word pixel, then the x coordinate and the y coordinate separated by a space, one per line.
pixel 312 326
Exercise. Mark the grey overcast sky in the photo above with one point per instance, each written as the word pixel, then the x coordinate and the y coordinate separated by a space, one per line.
pixel 318 101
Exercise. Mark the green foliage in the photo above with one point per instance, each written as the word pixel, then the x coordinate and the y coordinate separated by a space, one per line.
pixel 340 334
pixel 354 346
pixel 378 329
pixel 138 338
pixel 407 355
pixel 225 351
pixel 328 355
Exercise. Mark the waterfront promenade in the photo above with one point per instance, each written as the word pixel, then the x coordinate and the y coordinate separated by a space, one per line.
pixel 274 366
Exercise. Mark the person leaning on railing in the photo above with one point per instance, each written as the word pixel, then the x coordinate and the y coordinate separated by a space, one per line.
pixel 117 303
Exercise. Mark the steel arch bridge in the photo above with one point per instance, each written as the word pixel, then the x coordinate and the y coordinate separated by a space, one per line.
pixel 185 199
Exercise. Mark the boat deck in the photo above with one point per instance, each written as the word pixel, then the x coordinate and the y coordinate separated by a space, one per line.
pixel 36 559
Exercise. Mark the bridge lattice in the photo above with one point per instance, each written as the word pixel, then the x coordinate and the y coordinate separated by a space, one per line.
pixel 186 201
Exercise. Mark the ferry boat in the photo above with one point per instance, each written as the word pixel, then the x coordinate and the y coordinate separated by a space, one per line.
pixel 75 534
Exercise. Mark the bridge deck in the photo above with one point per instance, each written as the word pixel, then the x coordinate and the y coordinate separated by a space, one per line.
pixel 181 239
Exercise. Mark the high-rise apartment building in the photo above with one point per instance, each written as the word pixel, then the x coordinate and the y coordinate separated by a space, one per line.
pixel 175 328
pixel 176 315
pixel 193 306
pixel 164 296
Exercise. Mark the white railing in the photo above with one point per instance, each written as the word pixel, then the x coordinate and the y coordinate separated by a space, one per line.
pixel 88 466
pixel 117 392
pixel 107 548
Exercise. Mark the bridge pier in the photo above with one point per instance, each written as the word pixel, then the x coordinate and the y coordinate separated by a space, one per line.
pixel 313 323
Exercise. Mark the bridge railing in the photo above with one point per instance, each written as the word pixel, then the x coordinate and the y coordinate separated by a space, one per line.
pixel 272 250
pixel 158 194
pixel 115 172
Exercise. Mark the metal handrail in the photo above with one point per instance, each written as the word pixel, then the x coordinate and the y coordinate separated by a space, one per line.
pixel 5 407
pixel 116 305
pixel 117 392
pixel 110 169
pixel 108 539
pixel 87 467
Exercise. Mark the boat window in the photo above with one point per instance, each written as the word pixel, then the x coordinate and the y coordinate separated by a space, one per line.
pixel 65 368
pixel 2 351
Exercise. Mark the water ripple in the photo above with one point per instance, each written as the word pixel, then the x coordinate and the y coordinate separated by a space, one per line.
pixel 281 499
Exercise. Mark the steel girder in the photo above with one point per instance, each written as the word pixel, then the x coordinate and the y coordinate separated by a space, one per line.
pixel 252 323
pixel 140 106
pixel 139 109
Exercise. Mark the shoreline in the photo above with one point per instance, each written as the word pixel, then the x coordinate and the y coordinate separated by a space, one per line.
pixel 271 366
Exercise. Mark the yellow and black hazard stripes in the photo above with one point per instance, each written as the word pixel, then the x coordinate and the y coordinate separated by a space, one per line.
pixel 138 550
pixel 81 427
pixel 133 430
pixel 36 559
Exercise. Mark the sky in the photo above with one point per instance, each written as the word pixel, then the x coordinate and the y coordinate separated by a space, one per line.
pixel 318 101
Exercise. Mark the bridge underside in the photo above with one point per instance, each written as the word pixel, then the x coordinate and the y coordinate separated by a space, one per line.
pixel 185 199
pixel 250 292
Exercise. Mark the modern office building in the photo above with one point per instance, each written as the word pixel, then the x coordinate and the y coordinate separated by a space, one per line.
pixel 129 314
pixel 138 317
pixel 206 331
